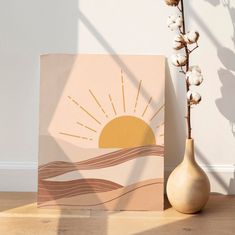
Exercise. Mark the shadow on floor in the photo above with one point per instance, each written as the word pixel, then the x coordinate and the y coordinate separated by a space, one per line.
pixel 11 200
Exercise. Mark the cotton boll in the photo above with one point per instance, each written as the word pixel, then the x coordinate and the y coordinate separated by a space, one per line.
pixel 194 76
pixel 195 69
pixel 191 37
pixel 194 79
pixel 179 60
pixel 193 97
pixel 172 2
pixel 174 22
pixel 177 45
pixel 179 38
pixel 196 98
pixel 179 42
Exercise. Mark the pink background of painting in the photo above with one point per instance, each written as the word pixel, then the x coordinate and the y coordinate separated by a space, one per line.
pixel 102 76
pixel 72 75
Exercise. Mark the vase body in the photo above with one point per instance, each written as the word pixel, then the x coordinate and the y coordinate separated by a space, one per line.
pixel 188 187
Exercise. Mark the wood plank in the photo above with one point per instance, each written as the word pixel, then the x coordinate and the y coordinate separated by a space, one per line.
pixel 19 215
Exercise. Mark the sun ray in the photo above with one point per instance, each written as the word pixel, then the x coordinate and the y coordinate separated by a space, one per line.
pixel 111 101
pixel 90 115
pixel 150 100
pixel 76 136
pixel 98 103
pixel 123 93
pixel 87 127
pixel 157 112
pixel 74 101
pixel 82 108
pixel 137 96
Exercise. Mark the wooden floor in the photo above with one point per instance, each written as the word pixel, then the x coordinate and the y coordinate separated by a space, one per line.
pixel 20 216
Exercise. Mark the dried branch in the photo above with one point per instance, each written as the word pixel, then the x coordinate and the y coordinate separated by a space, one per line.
pixel 190 51
pixel 188 115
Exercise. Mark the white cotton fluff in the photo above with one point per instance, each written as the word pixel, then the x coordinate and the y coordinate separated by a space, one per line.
pixel 174 22
pixel 191 37
pixel 179 42
pixel 193 97
pixel 195 68
pixel 179 60
pixel 194 76
pixel 172 2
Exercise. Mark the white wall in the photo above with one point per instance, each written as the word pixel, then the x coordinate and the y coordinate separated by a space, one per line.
pixel 29 28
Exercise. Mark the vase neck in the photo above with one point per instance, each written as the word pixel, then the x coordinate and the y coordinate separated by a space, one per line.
pixel 189 150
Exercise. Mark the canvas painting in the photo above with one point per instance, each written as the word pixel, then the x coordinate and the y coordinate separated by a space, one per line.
pixel 101 132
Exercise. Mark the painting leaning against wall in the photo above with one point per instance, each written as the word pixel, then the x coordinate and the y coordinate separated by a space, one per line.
pixel 101 143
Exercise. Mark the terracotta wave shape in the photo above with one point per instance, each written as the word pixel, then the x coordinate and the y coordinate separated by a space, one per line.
pixel 56 168
pixel 53 190
pixel 121 197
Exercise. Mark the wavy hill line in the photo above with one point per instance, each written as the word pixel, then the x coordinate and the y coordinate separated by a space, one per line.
pixel 100 198
pixel 53 190
pixel 56 168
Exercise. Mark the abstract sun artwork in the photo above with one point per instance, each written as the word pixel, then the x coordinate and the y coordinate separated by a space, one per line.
pixel 101 143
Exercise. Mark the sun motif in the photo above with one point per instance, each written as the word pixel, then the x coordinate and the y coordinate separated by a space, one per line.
pixel 113 120
pixel 126 132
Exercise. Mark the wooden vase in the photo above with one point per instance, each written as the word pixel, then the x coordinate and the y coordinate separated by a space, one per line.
pixel 188 187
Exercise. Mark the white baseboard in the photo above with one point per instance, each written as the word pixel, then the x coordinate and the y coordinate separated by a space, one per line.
pixel 18 176
pixel 22 177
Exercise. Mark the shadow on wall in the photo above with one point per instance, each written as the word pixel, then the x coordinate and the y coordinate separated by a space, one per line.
pixel 175 133
pixel 225 103
pixel 226 74
pixel 229 187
